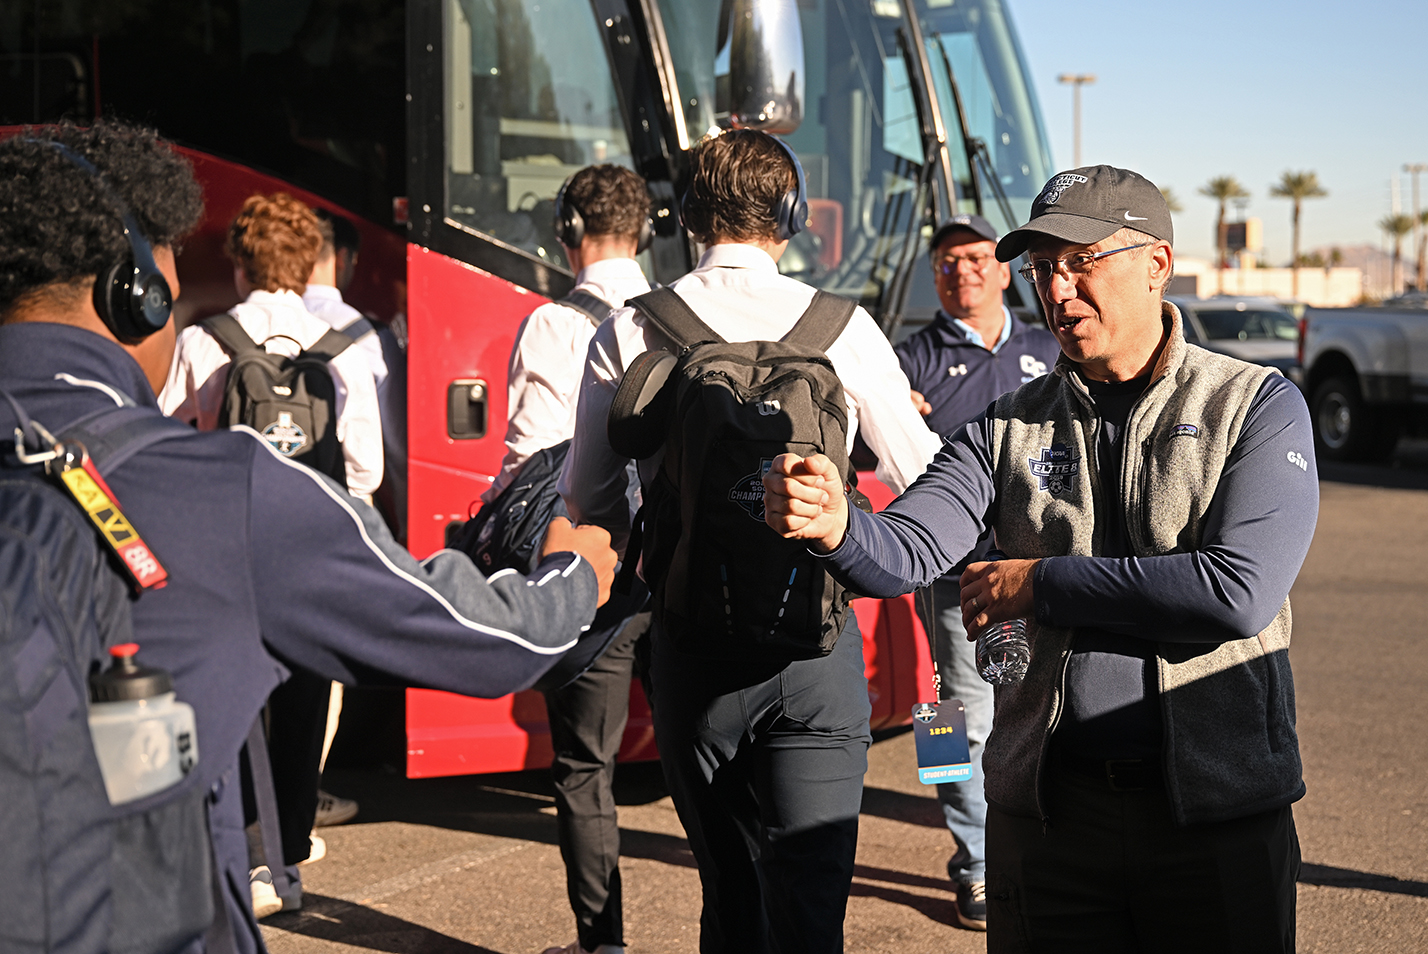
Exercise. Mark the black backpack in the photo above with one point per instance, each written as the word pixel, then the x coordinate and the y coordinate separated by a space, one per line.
pixel 723 583
pixel 504 533
pixel 82 876
pixel 291 402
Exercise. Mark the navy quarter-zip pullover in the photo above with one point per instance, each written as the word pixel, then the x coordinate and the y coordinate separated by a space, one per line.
pixel 272 564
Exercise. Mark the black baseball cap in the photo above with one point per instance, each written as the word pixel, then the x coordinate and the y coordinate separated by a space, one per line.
pixel 1089 204
pixel 965 222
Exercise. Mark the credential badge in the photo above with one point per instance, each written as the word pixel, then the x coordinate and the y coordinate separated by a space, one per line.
pixel 1054 468
pixel 1052 193
pixel 748 492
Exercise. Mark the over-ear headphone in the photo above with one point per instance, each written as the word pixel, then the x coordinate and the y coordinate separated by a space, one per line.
pixel 791 212
pixel 132 296
pixel 570 224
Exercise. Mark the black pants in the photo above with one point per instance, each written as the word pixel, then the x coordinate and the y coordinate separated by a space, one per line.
pixel 1112 873
pixel 297 722
pixel 766 764
pixel 587 722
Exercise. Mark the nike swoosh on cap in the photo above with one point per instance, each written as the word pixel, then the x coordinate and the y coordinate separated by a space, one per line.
pixel 1136 218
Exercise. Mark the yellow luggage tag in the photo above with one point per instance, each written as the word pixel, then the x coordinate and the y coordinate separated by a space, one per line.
pixel 78 475
pixel 940 732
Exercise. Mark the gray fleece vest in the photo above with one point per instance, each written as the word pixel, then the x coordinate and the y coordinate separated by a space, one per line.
pixel 1227 708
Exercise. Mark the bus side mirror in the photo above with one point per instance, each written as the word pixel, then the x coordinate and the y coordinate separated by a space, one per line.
pixel 759 71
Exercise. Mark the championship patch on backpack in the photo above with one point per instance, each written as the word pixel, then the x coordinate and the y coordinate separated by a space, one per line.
pixel 749 491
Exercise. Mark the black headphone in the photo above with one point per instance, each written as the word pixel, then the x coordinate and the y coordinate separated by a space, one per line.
pixel 791 212
pixel 570 224
pixel 132 296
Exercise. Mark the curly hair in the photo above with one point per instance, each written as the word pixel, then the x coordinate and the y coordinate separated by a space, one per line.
pixel 612 200
pixel 737 180
pixel 275 240
pixel 58 227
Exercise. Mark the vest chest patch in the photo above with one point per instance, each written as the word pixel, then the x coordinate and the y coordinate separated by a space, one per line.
pixel 1055 468
pixel 1185 430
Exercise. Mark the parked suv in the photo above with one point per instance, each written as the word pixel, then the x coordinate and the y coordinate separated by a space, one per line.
pixel 1259 330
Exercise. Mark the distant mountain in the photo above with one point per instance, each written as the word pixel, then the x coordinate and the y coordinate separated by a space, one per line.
pixel 1376 264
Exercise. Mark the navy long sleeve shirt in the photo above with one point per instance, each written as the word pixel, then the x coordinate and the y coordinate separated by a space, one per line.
pixel 1256 534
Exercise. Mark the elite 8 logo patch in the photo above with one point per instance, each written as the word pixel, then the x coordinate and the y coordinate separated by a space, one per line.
pixel 1054 468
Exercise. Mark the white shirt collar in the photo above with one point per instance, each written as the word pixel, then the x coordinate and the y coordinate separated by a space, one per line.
pixel 282 298
pixel 737 255
pixel 326 292
pixel 610 269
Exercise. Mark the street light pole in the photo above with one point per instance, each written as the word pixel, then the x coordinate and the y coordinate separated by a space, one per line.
pixel 1413 168
pixel 1077 80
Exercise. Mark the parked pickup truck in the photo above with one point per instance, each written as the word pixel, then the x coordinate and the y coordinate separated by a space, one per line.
pixel 1366 377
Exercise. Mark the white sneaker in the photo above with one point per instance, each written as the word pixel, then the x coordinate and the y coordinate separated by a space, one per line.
pixel 317 849
pixel 332 810
pixel 574 948
pixel 265 899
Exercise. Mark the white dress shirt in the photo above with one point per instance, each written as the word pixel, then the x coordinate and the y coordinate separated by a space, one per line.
pixel 737 291
pixel 325 301
pixel 279 322
pixel 547 362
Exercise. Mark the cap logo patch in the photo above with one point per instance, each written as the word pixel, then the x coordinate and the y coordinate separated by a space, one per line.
pixel 1136 218
pixel 1059 184
pixel 962 219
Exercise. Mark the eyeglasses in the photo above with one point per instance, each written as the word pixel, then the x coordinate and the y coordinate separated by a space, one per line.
pixel 1080 263
pixel 950 264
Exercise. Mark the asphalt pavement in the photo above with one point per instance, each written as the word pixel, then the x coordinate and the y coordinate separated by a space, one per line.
pixel 470 864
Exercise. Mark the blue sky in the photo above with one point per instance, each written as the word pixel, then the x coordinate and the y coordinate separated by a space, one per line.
pixel 1187 91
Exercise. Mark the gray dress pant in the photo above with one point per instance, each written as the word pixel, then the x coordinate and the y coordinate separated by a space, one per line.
pixel 765 762
pixel 587 722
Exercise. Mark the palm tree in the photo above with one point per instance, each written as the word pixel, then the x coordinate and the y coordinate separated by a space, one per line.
pixel 1223 189
pixel 1297 186
pixel 1422 278
pixel 1397 226
pixel 1172 201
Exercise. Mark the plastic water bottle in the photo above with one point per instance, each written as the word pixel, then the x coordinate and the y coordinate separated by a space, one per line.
pixel 1003 653
pixel 145 739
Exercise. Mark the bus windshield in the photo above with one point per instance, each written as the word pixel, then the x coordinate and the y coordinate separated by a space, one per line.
pixel 861 141
pixel 971 44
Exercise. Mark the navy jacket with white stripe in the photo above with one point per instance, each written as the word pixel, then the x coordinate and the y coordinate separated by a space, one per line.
pixel 272 564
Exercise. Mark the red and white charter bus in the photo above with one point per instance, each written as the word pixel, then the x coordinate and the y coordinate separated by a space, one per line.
pixel 443 129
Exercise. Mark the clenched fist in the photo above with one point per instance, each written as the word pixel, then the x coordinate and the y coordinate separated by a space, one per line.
pixel 591 542
pixel 803 500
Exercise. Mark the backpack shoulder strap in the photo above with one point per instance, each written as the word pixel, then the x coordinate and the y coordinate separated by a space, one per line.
pixel 822 322
pixel 229 333
pixel 358 328
pixel 591 306
pixel 670 314
pixel 329 346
